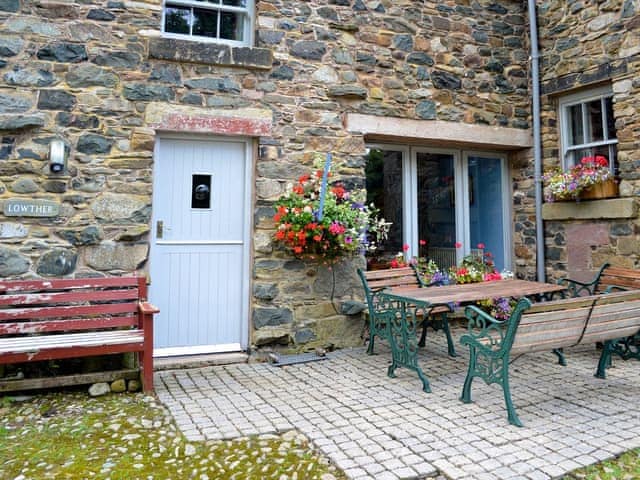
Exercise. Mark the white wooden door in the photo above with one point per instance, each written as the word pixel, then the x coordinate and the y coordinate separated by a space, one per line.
pixel 199 255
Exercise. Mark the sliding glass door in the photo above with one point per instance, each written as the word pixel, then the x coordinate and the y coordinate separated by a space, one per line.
pixel 443 203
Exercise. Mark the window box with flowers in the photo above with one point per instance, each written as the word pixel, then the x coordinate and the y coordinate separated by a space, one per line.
pixel 346 225
pixel 590 179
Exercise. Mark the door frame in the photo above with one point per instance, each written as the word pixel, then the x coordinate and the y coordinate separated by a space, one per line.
pixel 247 237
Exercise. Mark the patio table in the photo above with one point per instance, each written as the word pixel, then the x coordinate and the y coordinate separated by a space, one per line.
pixel 472 292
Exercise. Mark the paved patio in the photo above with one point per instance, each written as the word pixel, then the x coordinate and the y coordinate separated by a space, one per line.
pixel 375 427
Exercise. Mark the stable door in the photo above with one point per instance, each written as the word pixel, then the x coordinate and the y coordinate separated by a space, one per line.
pixel 199 255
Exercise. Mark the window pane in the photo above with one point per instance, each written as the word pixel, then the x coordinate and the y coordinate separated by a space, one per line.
pixel 384 190
pixel 436 208
pixel 235 3
pixel 231 26
pixel 205 22
pixel 594 117
pixel 611 124
pixel 176 19
pixel 486 209
pixel 576 135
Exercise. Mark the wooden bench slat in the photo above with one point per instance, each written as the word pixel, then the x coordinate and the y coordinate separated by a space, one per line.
pixel 28 344
pixel 67 311
pixel 72 296
pixel 19 328
pixel 14 286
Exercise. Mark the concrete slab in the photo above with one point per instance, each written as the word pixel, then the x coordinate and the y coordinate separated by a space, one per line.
pixel 372 426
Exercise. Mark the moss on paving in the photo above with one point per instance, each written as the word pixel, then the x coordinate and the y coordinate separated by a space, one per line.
pixel 131 436
pixel 625 467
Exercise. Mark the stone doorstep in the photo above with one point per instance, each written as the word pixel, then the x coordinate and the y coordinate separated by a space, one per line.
pixel 195 361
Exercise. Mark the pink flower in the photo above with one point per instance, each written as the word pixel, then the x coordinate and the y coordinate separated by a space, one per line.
pixel 422 242
pixel 405 247
pixel 458 245
pixel 481 246
pixel 336 229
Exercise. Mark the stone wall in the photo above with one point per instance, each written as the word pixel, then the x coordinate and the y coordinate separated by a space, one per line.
pixel 587 44
pixel 98 75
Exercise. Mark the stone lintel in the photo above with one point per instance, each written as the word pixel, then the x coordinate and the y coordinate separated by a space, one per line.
pixel 178 50
pixel 436 132
pixel 611 208
pixel 253 122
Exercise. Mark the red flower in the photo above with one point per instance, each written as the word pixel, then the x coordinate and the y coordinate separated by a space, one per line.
pixel 304 178
pixel 481 246
pixel 405 247
pixel 297 250
pixel 394 263
pixel 458 245
pixel 338 191
pixel 280 235
pixel 422 242
pixel 298 189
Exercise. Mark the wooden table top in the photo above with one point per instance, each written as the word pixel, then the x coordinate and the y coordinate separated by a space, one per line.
pixel 471 292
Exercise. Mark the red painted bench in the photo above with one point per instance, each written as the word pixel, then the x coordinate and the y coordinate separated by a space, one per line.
pixel 57 319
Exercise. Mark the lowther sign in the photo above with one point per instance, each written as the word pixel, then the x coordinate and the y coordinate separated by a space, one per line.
pixel 31 208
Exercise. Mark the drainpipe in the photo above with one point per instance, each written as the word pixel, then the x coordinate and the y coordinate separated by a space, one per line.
pixel 537 143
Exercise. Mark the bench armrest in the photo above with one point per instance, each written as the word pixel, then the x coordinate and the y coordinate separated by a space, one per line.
pixel 576 288
pixel 147 308
pixel 490 336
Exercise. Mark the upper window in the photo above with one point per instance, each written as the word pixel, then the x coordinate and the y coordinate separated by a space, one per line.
pixel 587 126
pixel 225 21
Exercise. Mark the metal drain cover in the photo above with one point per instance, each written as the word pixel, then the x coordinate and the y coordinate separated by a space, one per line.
pixel 281 360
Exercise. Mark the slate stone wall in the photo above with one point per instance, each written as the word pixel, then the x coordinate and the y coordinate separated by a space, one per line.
pixel 88 71
pixel 586 44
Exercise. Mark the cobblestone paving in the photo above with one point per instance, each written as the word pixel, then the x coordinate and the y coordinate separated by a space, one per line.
pixel 375 427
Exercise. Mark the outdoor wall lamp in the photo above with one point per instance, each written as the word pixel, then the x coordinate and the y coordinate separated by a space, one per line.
pixel 57 155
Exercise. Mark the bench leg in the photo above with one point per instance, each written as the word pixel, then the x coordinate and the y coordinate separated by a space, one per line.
pixel 466 389
pixel 511 411
pixel 445 325
pixel 146 365
pixel 561 358
pixel 423 336
pixel 372 336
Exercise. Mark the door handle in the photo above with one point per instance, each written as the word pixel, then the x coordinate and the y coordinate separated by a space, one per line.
pixel 159 228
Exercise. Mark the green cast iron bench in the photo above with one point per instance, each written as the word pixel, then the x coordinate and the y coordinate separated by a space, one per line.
pixel 376 281
pixel 607 279
pixel 612 318
pixel 72 318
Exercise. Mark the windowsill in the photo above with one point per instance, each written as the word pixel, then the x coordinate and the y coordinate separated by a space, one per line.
pixel 209 53
pixel 610 208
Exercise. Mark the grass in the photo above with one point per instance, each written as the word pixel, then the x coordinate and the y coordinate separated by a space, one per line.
pixel 72 436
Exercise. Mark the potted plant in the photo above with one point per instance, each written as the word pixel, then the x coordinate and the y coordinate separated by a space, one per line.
pixel 345 226
pixel 591 178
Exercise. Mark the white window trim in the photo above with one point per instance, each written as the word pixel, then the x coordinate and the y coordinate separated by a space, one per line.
pixel 575 99
pixel 460 160
pixel 249 11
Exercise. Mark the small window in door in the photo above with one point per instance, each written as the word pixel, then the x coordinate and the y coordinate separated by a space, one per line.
pixel 201 191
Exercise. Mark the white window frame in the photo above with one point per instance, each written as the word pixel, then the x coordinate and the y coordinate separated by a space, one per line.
pixel 582 98
pixel 461 186
pixel 248 13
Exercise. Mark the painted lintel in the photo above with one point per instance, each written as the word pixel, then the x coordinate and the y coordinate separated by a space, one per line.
pixel 438 132
pixel 251 122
